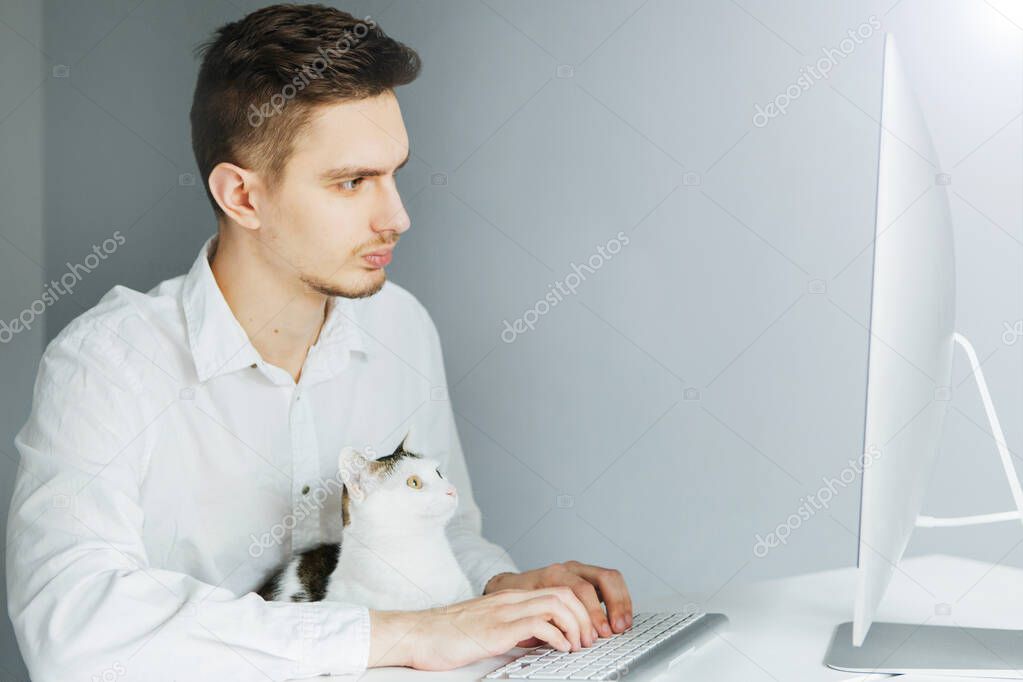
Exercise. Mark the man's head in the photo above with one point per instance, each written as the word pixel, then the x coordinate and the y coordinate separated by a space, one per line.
pixel 297 134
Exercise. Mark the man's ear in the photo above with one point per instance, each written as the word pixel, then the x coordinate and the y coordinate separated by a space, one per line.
pixel 232 187
pixel 352 466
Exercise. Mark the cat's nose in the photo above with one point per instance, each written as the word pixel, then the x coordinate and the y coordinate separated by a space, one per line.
pixel 451 491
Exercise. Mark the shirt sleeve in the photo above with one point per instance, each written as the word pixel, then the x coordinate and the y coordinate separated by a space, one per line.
pixel 82 596
pixel 480 559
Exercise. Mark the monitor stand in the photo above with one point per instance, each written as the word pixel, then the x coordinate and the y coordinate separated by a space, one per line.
pixel 900 648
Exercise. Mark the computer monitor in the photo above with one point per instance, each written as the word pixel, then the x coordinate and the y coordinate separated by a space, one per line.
pixel 912 328
pixel 909 366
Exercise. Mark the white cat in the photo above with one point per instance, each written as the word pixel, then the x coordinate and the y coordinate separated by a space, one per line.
pixel 394 554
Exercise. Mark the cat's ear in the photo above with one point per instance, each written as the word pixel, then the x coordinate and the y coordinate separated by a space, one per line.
pixel 352 466
pixel 403 446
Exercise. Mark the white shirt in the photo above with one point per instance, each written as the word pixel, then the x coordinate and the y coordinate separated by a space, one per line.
pixel 167 470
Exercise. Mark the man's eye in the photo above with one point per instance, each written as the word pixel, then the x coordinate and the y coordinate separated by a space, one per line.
pixel 351 185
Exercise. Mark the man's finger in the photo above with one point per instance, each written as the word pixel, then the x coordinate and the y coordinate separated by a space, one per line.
pixel 551 608
pixel 569 598
pixel 537 627
pixel 587 594
pixel 615 594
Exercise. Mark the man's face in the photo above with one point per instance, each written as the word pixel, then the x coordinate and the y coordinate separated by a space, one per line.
pixel 336 215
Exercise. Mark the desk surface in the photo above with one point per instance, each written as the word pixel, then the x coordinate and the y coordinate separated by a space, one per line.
pixel 780 629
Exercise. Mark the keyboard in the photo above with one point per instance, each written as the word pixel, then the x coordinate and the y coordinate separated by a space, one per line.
pixel 655 640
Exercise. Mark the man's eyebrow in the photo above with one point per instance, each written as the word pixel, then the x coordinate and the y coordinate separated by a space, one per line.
pixel 345 172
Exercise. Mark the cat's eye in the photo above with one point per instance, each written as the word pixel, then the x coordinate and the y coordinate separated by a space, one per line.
pixel 439 473
pixel 414 482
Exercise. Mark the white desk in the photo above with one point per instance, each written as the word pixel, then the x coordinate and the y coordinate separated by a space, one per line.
pixel 780 629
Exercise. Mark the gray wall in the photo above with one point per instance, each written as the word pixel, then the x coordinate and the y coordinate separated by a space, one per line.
pixel 728 226
pixel 703 380
pixel 967 63
pixel 718 290
pixel 23 70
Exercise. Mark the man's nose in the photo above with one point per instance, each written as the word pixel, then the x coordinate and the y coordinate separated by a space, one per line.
pixel 392 216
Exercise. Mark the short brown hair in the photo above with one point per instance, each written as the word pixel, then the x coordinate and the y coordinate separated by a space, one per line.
pixel 262 76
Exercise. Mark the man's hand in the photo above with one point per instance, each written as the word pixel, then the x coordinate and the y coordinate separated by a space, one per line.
pixel 451 636
pixel 591 584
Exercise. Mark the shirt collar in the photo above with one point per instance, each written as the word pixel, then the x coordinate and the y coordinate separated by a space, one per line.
pixel 218 342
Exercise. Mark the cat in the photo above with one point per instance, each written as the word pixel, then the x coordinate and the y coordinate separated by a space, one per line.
pixel 394 553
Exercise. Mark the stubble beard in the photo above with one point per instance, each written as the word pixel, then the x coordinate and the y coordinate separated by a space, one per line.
pixel 330 289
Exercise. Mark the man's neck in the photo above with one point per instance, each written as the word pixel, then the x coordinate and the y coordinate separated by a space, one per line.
pixel 282 318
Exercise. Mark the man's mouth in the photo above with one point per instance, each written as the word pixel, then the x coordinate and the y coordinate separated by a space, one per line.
pixel 378 259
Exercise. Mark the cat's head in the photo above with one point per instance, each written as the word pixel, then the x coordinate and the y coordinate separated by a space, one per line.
pixel 402 490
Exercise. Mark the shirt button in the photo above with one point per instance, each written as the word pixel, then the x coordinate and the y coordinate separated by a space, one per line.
pixel 305 490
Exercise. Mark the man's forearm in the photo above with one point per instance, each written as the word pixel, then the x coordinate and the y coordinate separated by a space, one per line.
pixel 391 638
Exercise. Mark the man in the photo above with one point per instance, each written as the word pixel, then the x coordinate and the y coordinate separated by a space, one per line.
pixel 183 442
